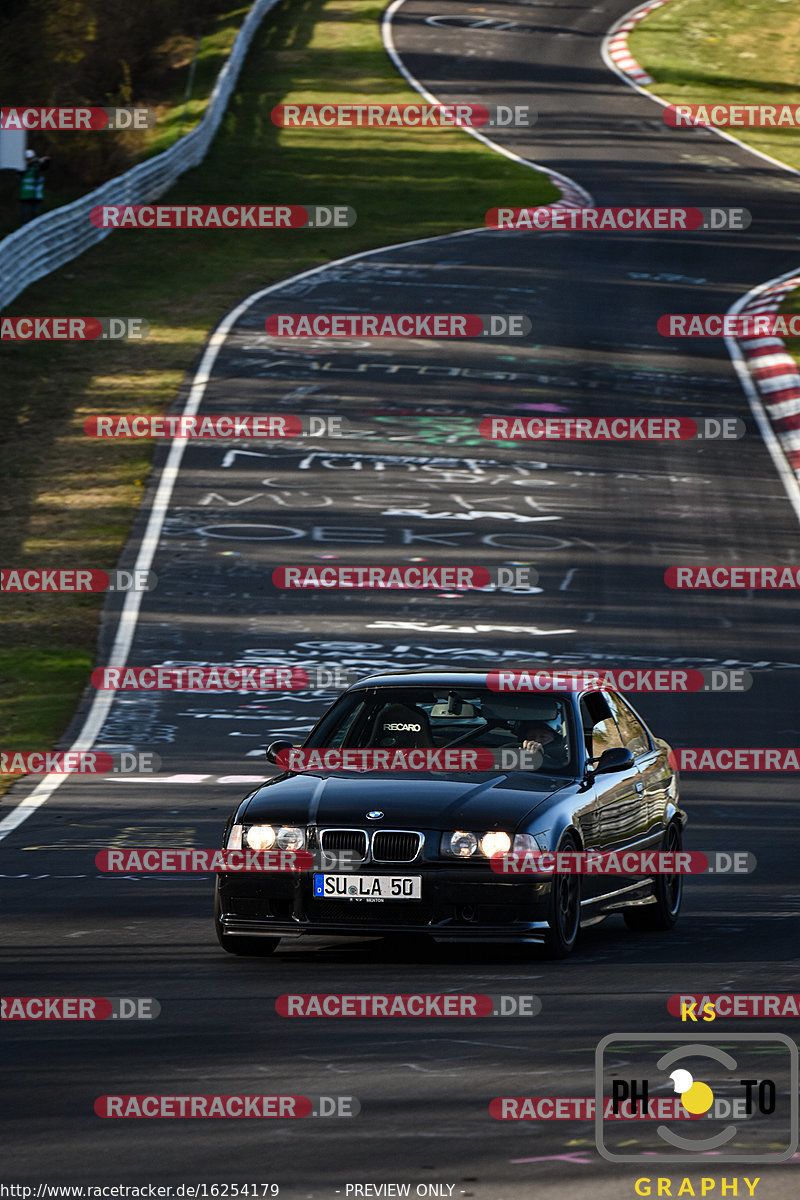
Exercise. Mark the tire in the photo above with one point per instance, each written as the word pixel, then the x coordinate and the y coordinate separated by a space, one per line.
pixel 564 920
pixel 245 947
pixel 668 891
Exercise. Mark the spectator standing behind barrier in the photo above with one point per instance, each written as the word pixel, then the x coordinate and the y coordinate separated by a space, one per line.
pixel 31 186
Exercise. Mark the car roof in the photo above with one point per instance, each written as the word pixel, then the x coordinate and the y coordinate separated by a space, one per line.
pixel 439 678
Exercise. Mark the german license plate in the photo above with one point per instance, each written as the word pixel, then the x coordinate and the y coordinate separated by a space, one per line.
pixel 368 887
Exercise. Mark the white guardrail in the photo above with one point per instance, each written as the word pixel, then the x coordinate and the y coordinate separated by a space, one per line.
pixel 56 237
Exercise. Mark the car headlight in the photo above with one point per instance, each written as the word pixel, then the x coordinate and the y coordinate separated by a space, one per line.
pixel 234 841
pixel 461 844
pixel 495 843
pixel 260 837
pixel 290 837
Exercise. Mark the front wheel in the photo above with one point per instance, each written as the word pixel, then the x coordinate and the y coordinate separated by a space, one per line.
pixel 564 919
pixel 668 891
pixel 248 947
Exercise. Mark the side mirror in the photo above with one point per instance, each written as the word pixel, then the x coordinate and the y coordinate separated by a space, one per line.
pixel 274 749
pixel 618 758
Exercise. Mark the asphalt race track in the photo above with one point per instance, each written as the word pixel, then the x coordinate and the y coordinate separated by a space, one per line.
pixel 411 479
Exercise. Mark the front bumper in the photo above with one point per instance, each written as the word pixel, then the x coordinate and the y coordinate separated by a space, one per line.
pixel 453 908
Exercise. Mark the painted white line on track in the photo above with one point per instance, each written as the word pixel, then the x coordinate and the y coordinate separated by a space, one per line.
pixel 185 779
pixel 572 192
pixel 743 362
pixel 102 702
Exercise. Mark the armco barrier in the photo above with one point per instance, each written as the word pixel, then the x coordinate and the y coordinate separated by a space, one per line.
pixel 56 237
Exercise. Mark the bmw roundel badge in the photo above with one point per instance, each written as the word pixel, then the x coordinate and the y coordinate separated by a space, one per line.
pixel 375 815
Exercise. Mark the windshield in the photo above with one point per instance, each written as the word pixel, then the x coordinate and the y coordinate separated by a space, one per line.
pixel 401 717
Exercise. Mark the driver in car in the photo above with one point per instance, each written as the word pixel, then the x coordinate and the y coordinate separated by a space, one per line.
pixel 537 735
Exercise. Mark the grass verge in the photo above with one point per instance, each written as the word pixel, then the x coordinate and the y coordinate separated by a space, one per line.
pixel 69 501
pixel 729 52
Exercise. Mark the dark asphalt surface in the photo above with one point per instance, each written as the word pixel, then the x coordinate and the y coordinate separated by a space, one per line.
pixel 412 480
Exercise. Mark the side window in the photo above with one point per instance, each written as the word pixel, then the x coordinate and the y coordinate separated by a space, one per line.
pixel 634 735
pixel 598 726
pixel 605 736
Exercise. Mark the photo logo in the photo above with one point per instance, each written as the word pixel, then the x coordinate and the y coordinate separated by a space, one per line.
pixel 696 1098
pixel 740 1096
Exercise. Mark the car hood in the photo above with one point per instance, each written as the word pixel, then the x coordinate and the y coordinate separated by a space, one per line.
pixel 474 801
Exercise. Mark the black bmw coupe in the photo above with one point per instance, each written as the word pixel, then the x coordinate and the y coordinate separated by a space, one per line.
pixel 411 851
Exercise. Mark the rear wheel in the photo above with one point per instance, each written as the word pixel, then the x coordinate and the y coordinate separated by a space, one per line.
pixel 668 891
pixel 249 947
pixel 564 919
